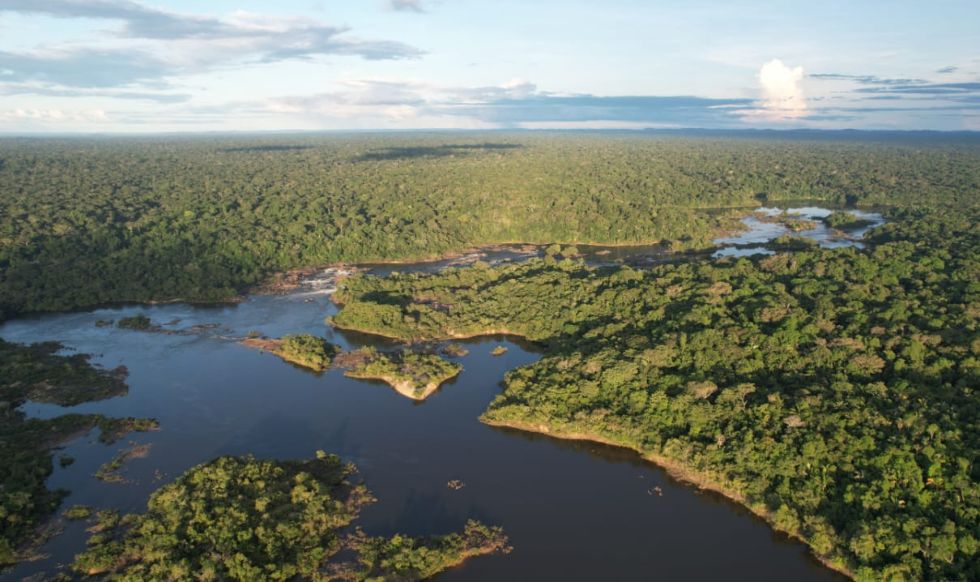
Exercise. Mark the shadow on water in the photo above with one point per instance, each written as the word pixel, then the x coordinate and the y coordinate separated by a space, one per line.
pixel 440 151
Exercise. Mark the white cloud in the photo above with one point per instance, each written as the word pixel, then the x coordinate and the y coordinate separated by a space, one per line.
pixel 153 46
pixel 782 91
pixel 53 115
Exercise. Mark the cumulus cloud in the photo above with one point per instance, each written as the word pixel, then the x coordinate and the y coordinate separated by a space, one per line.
pixel 180 43
pixel 782 91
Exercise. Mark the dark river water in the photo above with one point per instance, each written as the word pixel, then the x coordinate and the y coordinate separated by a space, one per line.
pixel 573 510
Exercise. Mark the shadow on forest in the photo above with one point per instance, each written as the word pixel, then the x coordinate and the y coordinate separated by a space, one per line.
pixel 265 148
pixel 406 153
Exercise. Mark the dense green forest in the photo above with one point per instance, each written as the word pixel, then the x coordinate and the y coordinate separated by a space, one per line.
pixel 38 373
pixel 239 518
pixel 834 392
pixel 831 391
pixel 92 220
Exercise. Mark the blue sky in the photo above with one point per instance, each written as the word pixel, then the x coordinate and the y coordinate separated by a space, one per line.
pixel 177 65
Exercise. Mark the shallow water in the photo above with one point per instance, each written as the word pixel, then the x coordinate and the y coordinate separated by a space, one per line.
pixel 759 233
pixel 573 510
pixel 752 240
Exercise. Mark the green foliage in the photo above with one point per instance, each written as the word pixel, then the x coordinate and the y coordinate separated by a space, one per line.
pixel 111 429
pixel 455 350
pixel 78 512
pixel 110 470
pixel 89 221
pixel 845 220
pixel 406 558
pixel 834 391
pixel 138 322
pixel 415 374
pixel 239 518
pixel 307 350
pixel 36 372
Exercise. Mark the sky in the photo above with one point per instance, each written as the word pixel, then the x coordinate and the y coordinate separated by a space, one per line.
pixel 143 66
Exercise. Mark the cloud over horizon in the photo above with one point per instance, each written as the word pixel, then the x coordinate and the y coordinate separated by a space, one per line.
pixel 147 65
pixel 782 92
pixel 179 44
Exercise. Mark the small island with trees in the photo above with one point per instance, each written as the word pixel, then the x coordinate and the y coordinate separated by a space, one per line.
pixel 843 220
pixel 412 374
pixel 305 350
pixel 240 518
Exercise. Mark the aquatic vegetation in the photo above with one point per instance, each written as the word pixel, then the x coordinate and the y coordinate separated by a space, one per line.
pixel 239 518
pixel 112 428
pixel 792 223
pixel 138 322
pixel 455 350
pixel 110 470
pixel 413 374
pixel 78 512
pixel 36 372
pixel 832 391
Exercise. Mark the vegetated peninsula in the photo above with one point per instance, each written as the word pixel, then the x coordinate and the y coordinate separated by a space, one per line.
pixel 832 391
pixel 412 374
pixel 239 518
pixel 306 350
pixel 37 372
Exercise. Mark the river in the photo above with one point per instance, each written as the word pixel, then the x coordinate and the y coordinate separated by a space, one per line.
pixel 573 510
